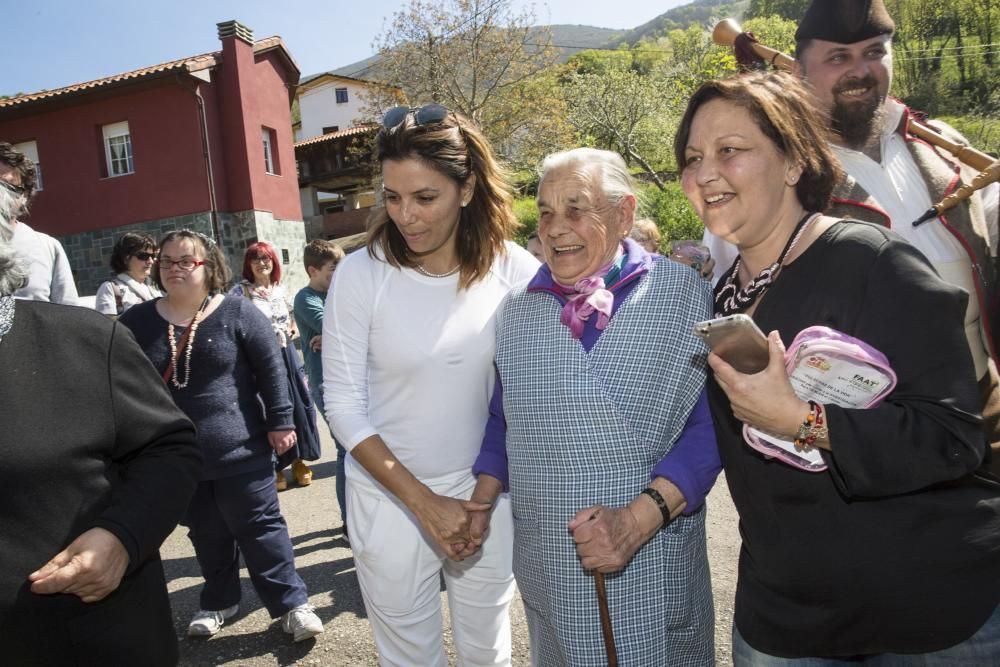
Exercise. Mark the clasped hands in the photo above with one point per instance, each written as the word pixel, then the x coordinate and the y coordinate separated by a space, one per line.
pixel 457 526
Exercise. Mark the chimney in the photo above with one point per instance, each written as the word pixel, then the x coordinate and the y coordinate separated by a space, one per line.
pixel 238 115
pixel 235 29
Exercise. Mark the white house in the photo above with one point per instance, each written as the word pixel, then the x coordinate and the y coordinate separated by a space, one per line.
pixel 329 103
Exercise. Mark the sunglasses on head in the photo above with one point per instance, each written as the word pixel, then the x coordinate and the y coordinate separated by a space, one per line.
pixel 143 256
pixel 429 113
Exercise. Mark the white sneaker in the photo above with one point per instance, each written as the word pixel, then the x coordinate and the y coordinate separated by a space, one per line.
pixel 207 623
pixel 302 623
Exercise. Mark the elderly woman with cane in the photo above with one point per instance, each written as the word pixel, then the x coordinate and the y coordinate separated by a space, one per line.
pixel 888 552
pixel 600 429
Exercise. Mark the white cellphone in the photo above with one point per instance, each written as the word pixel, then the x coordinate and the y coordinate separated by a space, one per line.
pixel 738 340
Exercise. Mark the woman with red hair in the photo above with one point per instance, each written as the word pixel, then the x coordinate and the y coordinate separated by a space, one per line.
pixel 261 284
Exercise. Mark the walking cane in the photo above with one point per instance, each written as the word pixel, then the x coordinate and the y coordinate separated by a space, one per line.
pixel 606 630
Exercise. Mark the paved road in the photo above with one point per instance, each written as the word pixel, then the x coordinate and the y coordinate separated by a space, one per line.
pixel 324 562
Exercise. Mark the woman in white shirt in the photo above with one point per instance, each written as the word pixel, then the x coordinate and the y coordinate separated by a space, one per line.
pixel 408 341
pixel 132 258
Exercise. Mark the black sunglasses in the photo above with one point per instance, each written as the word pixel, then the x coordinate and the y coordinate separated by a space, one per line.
pixel 143 256
pixel 16 189
pixel 429 113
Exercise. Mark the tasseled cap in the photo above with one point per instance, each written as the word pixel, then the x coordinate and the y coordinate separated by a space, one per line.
pixel 845 21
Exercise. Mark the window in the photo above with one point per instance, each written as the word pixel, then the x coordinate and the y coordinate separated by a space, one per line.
pixel 341 94
pixel 30 150
pixel 270 139
pixel 284 256
pixel 118 149
pixel 331 129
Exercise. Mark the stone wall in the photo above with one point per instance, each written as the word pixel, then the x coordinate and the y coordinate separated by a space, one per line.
pixel 90 252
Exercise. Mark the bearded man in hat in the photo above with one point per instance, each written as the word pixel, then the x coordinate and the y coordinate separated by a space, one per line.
pixel 844 51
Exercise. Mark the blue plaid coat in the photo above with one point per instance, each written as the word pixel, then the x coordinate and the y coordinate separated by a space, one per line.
pixel 587 428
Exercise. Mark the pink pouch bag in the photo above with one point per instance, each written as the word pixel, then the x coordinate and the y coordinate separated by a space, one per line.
pixel 829 367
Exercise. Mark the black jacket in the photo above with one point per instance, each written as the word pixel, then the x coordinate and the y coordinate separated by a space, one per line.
pixel 90 437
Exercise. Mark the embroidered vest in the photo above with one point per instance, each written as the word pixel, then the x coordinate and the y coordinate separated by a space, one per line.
pixel 943 175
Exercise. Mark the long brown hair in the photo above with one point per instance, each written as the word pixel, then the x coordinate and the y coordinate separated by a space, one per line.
pixel 455 147
pixel 785 112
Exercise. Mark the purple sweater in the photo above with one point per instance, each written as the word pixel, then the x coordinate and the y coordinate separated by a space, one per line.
pixel 692 464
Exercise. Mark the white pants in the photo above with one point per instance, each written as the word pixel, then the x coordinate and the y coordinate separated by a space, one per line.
pixel 399 570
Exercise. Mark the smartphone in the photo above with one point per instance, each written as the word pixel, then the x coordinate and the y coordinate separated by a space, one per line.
pixel 738 340
pixel 691 252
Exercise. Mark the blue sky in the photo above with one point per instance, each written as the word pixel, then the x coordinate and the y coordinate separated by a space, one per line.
pixel 54 43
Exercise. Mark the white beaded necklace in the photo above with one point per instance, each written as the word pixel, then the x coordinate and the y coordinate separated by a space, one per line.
pixel 187 351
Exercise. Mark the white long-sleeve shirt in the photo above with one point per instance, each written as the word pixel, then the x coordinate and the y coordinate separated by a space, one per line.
pixel 410 358
pixel 49 275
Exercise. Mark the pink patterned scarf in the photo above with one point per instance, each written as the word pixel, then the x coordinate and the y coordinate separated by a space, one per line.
pixel 589 296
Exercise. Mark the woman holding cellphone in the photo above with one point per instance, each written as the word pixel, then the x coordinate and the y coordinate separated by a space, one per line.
pixel 890 554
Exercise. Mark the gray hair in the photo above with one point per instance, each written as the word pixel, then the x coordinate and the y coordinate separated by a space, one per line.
pixel 616 182
pixel 13 273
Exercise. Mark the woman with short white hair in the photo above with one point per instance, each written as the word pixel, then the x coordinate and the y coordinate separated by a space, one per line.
pixel 599 423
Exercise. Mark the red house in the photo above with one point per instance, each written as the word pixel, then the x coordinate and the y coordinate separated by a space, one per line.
pixel 203 142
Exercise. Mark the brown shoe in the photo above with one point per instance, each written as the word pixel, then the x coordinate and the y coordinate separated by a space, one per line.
pixel 280 480
pixel 303 475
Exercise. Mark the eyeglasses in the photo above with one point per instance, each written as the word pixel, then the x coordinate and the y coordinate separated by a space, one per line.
pixel 185 264
pixel 262 259
pixel 429 113
pixel 144 256
pixel 16 189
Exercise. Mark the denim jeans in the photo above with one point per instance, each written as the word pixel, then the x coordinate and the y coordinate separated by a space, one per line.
pixel 317 396
pixel 980 650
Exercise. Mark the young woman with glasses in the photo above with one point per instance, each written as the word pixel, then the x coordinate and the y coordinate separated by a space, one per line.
pixel 132 260
pixel 408 370
pixel 217 354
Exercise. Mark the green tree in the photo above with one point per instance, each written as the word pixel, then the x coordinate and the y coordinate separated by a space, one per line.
pixel 774 31
pixel 477 57
pixel 622 110
pixel 631 102
pixel 787 9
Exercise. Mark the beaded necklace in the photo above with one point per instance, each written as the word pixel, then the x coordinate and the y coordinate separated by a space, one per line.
pixel 731 299
pixel 187 348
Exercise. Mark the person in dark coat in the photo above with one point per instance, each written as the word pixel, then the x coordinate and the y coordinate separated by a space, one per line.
pixel 218 354
pixel 98 467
